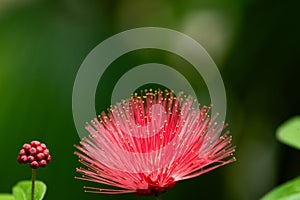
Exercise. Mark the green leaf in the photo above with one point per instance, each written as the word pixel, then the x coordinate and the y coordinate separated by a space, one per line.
pixel 6 197
pixel 22 190
pixel 287 191
pixel 18 193
pixel 289 132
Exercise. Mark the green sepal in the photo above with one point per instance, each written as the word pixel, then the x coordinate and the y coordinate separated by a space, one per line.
pixel 6 197
pixel 289 132
pixel 22 190
pixel 287 191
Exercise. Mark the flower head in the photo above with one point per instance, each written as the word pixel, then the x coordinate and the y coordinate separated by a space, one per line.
pixel 146 144
pixel 35 153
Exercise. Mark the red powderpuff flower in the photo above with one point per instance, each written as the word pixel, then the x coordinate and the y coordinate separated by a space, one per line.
pixel 148 143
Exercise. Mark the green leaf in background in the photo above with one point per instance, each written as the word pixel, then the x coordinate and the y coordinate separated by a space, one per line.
pixel 289 132
pixel 6 197
pixel 22 190
pixel 287 191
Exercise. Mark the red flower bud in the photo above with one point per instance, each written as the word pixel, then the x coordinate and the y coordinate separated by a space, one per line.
pixel 35 143
pixel 32 151
pixel 39 149
pixel 19 159
pixel 43 163
pixel 22 152
pixel 43 146
pixel 40 156
pixel 24 159
pixel 46 152
pixel 26 146
pixel 34 165
pixel 49 159
pixel 31 158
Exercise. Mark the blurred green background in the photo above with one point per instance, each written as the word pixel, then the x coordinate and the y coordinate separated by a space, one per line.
pixel 254 43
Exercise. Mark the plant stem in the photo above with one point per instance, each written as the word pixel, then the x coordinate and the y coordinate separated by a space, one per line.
pixel 33 176
pixel 157 197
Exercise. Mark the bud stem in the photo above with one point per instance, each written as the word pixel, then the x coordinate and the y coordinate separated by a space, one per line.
pixel 33 176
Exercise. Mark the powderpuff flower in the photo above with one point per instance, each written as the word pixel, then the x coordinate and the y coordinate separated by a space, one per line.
pixel 147 143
